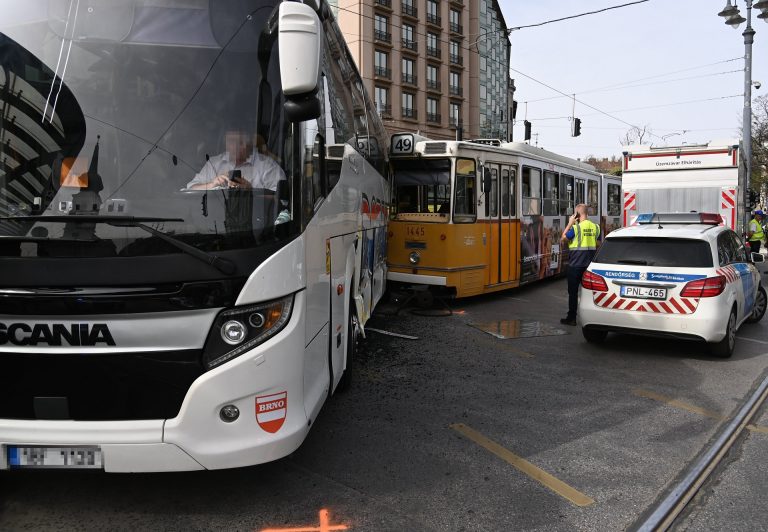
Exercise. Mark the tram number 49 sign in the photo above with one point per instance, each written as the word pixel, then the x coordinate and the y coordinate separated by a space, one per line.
pixel 402 144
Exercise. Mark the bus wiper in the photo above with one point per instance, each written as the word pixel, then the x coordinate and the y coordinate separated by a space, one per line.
pixel 632 261
pixel 222 264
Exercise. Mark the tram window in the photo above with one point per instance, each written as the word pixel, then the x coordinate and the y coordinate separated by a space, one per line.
pixel 593 192
pixel 505 192
pixel 493 196
pixel 566 195
pixel 464 202
pixel 531 191
pixel 422 186
pixel 550 194
pixel 614 200
pixel 512 196
pixel 580 184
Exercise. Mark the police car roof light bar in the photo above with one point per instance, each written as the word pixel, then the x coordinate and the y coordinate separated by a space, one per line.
pixel 706 218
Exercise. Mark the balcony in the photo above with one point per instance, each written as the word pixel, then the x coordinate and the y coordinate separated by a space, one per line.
pixel 409 10
pixel 386 4
pixel 382 72
pixel 409 79
pixel 433 85
pixel 456 59
pixel 458 2
pixel 434 117
pixel 433 52
pixel 409 113
pixel 382 36
pixel 455 90
pixel 411 46
pixel 384 110
pixel 434 19
pixel 457 28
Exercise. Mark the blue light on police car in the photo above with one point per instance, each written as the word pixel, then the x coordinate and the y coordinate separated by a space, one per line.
pixel 644 218
pixel 233 332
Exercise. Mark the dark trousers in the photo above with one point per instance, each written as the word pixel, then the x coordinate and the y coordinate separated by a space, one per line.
pixel 574 280
pixel 754 246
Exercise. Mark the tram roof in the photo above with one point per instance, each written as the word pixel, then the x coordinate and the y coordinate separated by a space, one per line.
pixel 522 148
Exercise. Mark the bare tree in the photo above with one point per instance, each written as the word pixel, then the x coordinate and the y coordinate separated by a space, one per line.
pixel 759 142
pixel 636 135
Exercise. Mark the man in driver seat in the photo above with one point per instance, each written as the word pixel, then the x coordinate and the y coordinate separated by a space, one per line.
pixel 242 165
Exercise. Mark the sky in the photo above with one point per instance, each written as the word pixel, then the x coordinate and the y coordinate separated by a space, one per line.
pixel 665 40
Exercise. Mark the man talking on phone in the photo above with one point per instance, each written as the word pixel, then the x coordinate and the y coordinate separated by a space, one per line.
pixel 582 236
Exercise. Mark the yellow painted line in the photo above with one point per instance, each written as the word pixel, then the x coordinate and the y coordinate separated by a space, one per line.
pixel 678 404
pixel 691 408
pixel 524 466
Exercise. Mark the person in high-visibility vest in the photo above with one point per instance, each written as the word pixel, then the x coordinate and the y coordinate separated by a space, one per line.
pixel 755 233
pixel 582 236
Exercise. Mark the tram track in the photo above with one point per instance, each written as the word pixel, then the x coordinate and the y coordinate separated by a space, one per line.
pixel 663 514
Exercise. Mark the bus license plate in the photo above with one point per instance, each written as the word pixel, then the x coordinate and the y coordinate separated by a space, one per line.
pixel 643 292
pixel 55 457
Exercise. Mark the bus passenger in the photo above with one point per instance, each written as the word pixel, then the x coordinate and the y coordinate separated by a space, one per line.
pixel 582 236
pixel 242 165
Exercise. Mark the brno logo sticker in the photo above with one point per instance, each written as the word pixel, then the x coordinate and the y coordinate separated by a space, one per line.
pixel 271 411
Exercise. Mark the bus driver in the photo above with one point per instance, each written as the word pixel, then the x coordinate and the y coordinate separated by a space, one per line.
pixel 242 165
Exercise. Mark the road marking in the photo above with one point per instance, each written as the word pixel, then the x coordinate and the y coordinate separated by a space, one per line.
pixel 691 408
pixel 396 335
pixel 524 466
pixel 679 404
pixel 325 526
pixel 752 340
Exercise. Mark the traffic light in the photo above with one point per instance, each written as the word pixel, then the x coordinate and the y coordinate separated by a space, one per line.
pixel 576 127
pixel 527 125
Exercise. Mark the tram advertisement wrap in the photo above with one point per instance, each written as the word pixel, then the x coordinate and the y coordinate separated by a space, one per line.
pixel 540 247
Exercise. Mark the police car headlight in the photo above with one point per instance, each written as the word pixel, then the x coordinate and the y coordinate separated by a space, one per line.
pixel 239 329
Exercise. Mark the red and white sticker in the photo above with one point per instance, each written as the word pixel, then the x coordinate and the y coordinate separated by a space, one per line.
pixel 271 411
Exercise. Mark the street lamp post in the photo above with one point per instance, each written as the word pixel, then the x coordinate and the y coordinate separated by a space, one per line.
pixel 734 19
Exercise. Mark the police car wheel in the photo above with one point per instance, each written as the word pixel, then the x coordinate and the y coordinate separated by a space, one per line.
pixel 352 333
pixel 724 348
pixel 758 310
pixel 594 336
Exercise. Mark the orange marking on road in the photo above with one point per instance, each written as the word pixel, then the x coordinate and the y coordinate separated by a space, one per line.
pixel 325 525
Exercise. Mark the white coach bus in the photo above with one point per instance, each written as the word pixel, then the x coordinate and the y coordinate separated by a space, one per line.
pixel 700 177
pixel 183 274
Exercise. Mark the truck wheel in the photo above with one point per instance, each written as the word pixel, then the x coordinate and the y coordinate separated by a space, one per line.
pixel 758 310
pixel 724 348
pixel 594 336
pixel 353 330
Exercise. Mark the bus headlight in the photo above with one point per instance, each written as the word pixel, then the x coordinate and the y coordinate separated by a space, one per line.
pixel 237 330
pixel 414 257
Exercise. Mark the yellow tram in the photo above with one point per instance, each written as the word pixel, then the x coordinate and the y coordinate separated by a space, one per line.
pixel 473 217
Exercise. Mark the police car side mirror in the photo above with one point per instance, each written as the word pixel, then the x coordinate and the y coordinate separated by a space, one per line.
pixel 757 258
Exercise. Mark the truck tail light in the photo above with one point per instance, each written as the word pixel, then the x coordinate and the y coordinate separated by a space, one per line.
pixel 709 287
pixel 592 281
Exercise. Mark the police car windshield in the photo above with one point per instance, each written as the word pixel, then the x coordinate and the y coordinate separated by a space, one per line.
pixel 664 252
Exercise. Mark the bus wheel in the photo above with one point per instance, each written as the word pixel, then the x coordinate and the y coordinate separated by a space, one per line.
pixel 353 331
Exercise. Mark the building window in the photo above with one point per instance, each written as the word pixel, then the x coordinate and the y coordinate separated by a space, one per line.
pixel 455 21
pixel 408 76
pixel 455 114
pixel 381 101
pixel 433 48
pixel 380 62
pixel 433 77
pixel 455 54
pixel 455 84
pixel 409 42
pixel 408 109
pixel 381 28
pixel 483 92
pixel 432 12
pixel 483 63
pixel 432 110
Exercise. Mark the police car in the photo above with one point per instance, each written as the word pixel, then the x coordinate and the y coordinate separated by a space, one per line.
pixel 680 275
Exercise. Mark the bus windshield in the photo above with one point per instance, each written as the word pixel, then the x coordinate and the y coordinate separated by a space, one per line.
pixel 167 112
pixel 422 186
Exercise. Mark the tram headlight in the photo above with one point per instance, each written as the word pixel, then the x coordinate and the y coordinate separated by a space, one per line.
pixel 239 329
pixel 414 257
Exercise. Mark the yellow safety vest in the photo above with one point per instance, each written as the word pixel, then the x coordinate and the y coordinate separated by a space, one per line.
pixel 757 234
pixel 585 237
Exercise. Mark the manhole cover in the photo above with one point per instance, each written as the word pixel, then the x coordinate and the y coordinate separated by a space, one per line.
pixel 518 329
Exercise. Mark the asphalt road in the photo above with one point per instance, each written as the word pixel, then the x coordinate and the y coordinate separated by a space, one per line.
pixel 461 430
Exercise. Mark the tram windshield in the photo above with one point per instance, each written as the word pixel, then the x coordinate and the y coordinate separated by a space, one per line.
pixel 422 186
pixel 123 122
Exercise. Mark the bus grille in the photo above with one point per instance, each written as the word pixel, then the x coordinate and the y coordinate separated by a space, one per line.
pixel 99 387
pixel 336 151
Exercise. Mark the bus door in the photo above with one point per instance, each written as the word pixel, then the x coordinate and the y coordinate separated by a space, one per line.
pixel 503 239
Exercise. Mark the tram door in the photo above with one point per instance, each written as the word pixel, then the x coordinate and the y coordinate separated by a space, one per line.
pixel 504 229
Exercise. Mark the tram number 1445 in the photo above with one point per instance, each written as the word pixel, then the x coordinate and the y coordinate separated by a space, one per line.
pixel 414 231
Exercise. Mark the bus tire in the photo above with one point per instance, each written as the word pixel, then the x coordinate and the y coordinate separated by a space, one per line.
pixel 345 382
pixel 724 348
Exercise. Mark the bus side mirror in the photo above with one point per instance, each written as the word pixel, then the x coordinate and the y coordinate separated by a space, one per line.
pixel 299 31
